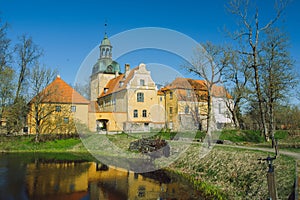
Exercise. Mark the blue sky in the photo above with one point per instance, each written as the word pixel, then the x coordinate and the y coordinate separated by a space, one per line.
pixel 68 30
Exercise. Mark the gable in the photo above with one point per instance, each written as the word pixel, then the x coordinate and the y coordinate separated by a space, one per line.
pixel 132 78
pixel 60 92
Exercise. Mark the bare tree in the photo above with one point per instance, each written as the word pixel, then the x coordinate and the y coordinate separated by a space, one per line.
pixel 6 72
pixel 5 55
pixel 249 34
pixel 208 63
pixel 237 75
pixel 27 53
pixel 6 88
pixel 39 78
pixel 83 89
pixel 278 76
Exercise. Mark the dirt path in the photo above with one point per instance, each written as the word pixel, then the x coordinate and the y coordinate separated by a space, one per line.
pixel 281 152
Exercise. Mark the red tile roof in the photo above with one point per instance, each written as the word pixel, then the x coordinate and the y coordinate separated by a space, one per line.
pixel 60 92
pixel 178 83
pixel 196 85
pixel 114 84
pixel 220 91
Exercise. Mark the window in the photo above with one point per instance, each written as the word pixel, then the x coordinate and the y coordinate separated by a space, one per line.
pixel 186 109
pixel 160 99
pixel 171 95
pixel 66 120
pixel 171 110
pixel 135 113
pixel 144 113
pixel 113 101
pixel 140 97
pixel 188 93
pixel 105 90
pixel 141 191
pixel 220 108
pixel 57 108
pixel 109 68
pixel 142 82
pixel 73 108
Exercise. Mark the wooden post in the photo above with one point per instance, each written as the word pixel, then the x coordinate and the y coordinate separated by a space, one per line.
pixel 271 178
pixel 271 183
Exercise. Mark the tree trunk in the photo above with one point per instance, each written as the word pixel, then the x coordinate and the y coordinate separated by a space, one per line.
pixel 37 123
pixel 209 118
pixel 261 106
pixel 235 114
pixel 235 120
pixel 271 125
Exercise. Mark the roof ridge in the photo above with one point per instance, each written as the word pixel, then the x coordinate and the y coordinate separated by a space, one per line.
pixel 61 92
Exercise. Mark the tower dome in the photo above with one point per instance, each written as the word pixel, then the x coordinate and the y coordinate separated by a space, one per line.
pixel 105 64
pixel 105 41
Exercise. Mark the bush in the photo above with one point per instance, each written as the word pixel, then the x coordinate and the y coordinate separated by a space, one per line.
pixel 165 134
pixel 200 135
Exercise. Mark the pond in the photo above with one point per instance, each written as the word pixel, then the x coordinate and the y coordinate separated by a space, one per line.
pixel 52 176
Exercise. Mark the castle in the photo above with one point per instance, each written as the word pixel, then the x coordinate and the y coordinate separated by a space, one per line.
pixel 131 101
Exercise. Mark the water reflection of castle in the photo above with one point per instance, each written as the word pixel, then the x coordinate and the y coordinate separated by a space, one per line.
pixel 96 181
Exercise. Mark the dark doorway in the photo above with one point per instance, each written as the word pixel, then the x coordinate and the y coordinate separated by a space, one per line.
pixel 101 124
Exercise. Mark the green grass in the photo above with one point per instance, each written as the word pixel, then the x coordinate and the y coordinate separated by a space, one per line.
pixel 232 171
pixel 239 136
pixel 281 135
pixel 236 172
pixel 27 143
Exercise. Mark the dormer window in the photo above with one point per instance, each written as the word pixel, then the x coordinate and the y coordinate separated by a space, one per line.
pixel 121 83
pixel 105 90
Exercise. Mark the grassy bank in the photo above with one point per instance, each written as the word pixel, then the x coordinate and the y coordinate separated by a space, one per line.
pixel 235 172
pixel 224 173
pixel 27 144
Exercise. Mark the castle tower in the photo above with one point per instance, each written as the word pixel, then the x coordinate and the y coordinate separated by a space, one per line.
pixel 104 69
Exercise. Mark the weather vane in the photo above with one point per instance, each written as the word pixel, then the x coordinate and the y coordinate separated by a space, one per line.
pixel 105 26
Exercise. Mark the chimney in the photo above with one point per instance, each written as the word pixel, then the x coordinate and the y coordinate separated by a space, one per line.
pixel 116 74
pixel 127 69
